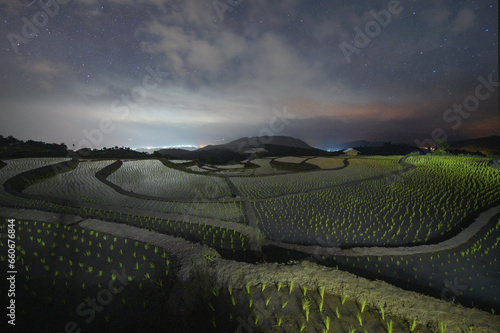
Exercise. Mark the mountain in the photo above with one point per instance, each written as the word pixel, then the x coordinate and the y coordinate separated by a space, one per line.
pixel 235 150
pixel 489 145
pixel 11 147
pixel 359 143
pixel 245 143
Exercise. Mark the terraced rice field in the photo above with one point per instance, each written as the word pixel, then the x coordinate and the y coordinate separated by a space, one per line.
pixel 279 185
pixel 326 163
pixel 417 207
pixel 373 201
pixel 152 178
pixel 81 186
pixel 291 159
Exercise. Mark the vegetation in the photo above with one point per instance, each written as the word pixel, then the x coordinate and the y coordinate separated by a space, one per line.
pixel 153 178
pixel 422 206
pixel 368 201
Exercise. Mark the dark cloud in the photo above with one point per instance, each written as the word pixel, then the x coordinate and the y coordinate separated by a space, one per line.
pixel 189 72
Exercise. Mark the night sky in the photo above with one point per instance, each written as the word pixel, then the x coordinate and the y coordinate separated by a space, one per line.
pixel 164 73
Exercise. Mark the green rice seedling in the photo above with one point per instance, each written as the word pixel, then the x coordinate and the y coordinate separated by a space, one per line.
pixel 291 287
pixel 256 320
pixel 247 288
pixel 322 292
pixel 360 319
pixel 233 300
pixel 344 298
pixel 337 313
pixel 215 291
pixel 268 300
pixel 389 326
pixel 352 330
pixel 279 286
pixel 382 312
pixel 327 325
pixel 284 305
pixel 302 327
pixel 321 303
pixel 279 321
pixel 363 304
pixel 443 327
pixel 413 325
pixel 305 291
pixel 263 287
pixel 250 303
pixel 305 306
pixel 230 289
pixel 211 306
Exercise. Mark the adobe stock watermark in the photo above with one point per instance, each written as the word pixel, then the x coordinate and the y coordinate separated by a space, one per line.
pixel 122 106
pixel 91 305
pixel 221 8
pixel 372 29
pixel 40 19
pixel 456 114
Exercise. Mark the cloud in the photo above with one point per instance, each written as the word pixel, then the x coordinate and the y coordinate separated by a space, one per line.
pixel 463 21
pixel 44 71
pixel 44 67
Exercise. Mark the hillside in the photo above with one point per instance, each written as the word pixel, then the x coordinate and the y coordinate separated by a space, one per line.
pixel 489 145
pixel 235 150
pixel 11 147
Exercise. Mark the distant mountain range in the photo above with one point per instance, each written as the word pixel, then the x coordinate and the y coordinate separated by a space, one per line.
pixel 239 149
pixel 359 143
pixel 245 143
pixel 489 145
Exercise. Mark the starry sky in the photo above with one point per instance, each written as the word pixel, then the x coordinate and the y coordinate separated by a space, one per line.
pixel 161 73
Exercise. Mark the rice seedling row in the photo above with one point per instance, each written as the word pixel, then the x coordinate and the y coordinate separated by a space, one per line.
pixel 152 177
pixel 326 163
pixel 422 206
pixel 82 187
pixel 278 185
pixel 287 307
pixel 87 277
pixel 466 275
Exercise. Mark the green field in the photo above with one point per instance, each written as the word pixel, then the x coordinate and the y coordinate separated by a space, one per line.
pixel 337 216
